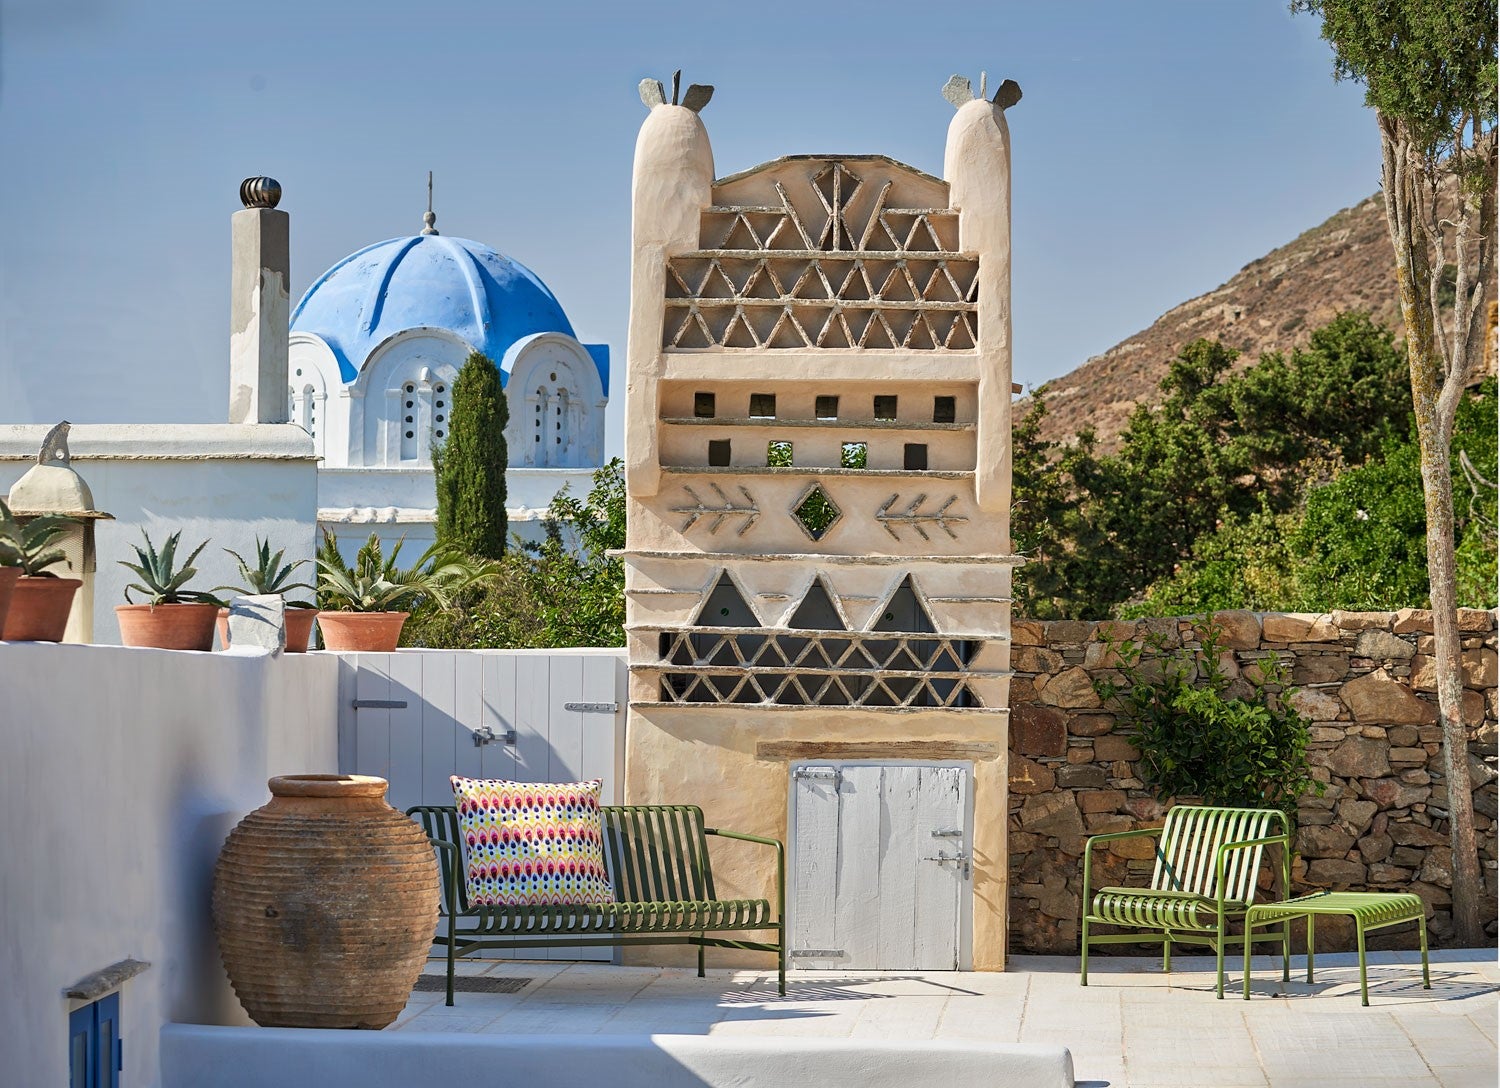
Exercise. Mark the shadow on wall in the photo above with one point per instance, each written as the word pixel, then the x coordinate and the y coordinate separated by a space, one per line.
pixel 205 814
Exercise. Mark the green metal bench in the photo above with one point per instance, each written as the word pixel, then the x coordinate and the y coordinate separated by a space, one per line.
pixel 657 856
pixel 1207 866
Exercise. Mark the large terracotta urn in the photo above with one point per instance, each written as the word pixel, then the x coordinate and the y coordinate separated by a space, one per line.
pixel 325 902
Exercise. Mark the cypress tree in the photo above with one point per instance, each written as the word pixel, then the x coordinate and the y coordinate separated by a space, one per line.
pixel 470 469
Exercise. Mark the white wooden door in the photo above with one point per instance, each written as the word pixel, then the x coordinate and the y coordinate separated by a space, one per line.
pixel 881 866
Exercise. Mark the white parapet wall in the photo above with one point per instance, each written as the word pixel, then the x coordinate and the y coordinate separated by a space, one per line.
pixel 233 1058
pixel 124 771
pixel 223 483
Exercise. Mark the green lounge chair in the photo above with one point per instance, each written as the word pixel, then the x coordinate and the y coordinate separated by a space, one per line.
pixel 1207 865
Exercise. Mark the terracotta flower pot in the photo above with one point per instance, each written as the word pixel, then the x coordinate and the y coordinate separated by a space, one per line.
pixel 167 626
pixel 39 609
pixel 299 623
pixel 371 632
pixel 8 576
pixel 325 901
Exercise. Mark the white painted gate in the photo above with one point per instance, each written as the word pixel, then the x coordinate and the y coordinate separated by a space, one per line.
pixel 540 716
pixel 881 866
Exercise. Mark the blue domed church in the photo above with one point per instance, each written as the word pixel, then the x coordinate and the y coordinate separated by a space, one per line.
pixel 375 345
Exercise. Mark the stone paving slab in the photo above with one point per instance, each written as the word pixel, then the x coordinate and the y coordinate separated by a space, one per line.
pixel 1131 1027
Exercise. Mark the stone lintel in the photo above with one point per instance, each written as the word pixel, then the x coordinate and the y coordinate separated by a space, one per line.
pixel 887 749
pixel 94 986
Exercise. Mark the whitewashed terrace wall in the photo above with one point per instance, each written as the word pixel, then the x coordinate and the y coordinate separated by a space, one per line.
pixel 124 771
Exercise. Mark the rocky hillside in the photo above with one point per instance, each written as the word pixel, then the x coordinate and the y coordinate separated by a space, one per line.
pixel 1269 305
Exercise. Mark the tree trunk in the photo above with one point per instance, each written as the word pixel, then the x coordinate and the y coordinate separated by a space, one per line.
pixel 1401 176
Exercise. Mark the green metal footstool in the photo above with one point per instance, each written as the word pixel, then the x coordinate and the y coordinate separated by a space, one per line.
pixel 1370 910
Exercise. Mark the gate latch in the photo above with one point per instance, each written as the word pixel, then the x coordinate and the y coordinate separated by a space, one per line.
pixel 485 735
pixel 960 857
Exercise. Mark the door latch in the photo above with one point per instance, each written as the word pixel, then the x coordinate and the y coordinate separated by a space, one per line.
pixel 485 735
pixel 961 857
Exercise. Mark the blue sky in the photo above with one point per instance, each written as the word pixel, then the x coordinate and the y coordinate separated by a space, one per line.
pixel 1160 146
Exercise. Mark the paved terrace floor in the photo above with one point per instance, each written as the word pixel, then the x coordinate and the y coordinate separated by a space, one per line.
pixel 1132 1027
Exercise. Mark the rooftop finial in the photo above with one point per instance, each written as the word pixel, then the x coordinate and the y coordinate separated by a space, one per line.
pixel 653 94
pixel 428 218
pixel 960 91
pixel 260 192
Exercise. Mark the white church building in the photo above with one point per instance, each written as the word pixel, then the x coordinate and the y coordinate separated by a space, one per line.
pixel 375 345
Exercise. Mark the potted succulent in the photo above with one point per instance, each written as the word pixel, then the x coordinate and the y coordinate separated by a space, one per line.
pixel 364 605
pixel 39 600
pixel 173 618
pixel 270 576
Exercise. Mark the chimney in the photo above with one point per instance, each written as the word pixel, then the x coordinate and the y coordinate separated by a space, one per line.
pixel 259 309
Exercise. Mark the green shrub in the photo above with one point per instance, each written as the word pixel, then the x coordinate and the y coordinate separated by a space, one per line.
pixel 1198 740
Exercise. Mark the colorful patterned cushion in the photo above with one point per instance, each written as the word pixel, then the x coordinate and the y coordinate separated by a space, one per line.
pixel 528 843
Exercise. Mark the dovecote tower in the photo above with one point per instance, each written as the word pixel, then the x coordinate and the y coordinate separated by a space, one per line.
pixel 818 563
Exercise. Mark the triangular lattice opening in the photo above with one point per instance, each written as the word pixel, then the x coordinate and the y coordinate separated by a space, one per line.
pixel 726 607
pixel 817 611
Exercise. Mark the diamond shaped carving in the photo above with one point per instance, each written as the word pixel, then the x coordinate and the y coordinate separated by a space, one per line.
pixel 816 512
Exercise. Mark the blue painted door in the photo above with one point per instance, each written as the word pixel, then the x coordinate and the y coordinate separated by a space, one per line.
pixel 95 1055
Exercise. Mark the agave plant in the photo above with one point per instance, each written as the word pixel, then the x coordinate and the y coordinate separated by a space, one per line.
pixel 31 546
pixel 161 580
pixel 269 575
pixel 375 583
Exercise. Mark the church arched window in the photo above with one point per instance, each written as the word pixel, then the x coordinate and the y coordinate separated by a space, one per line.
pixel 440 403
pixel 411 421
pixel 423 412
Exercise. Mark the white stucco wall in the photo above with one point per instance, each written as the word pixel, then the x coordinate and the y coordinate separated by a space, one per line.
pixel 124 771
pixel 217 482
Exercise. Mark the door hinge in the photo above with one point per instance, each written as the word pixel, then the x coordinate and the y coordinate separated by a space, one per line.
pixel 817 953
pixel 485 735
pixel 948 833
pixel 379 704
pixel 815 772
pixel 593 708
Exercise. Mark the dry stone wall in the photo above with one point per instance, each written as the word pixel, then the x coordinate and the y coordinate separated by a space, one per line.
pixel 1366 682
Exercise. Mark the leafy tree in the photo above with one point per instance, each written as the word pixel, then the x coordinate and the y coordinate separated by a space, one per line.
pixel 470 468
pixel 1338 400
pixel 1429 70
pixel 1219 449
pixel 1356 541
